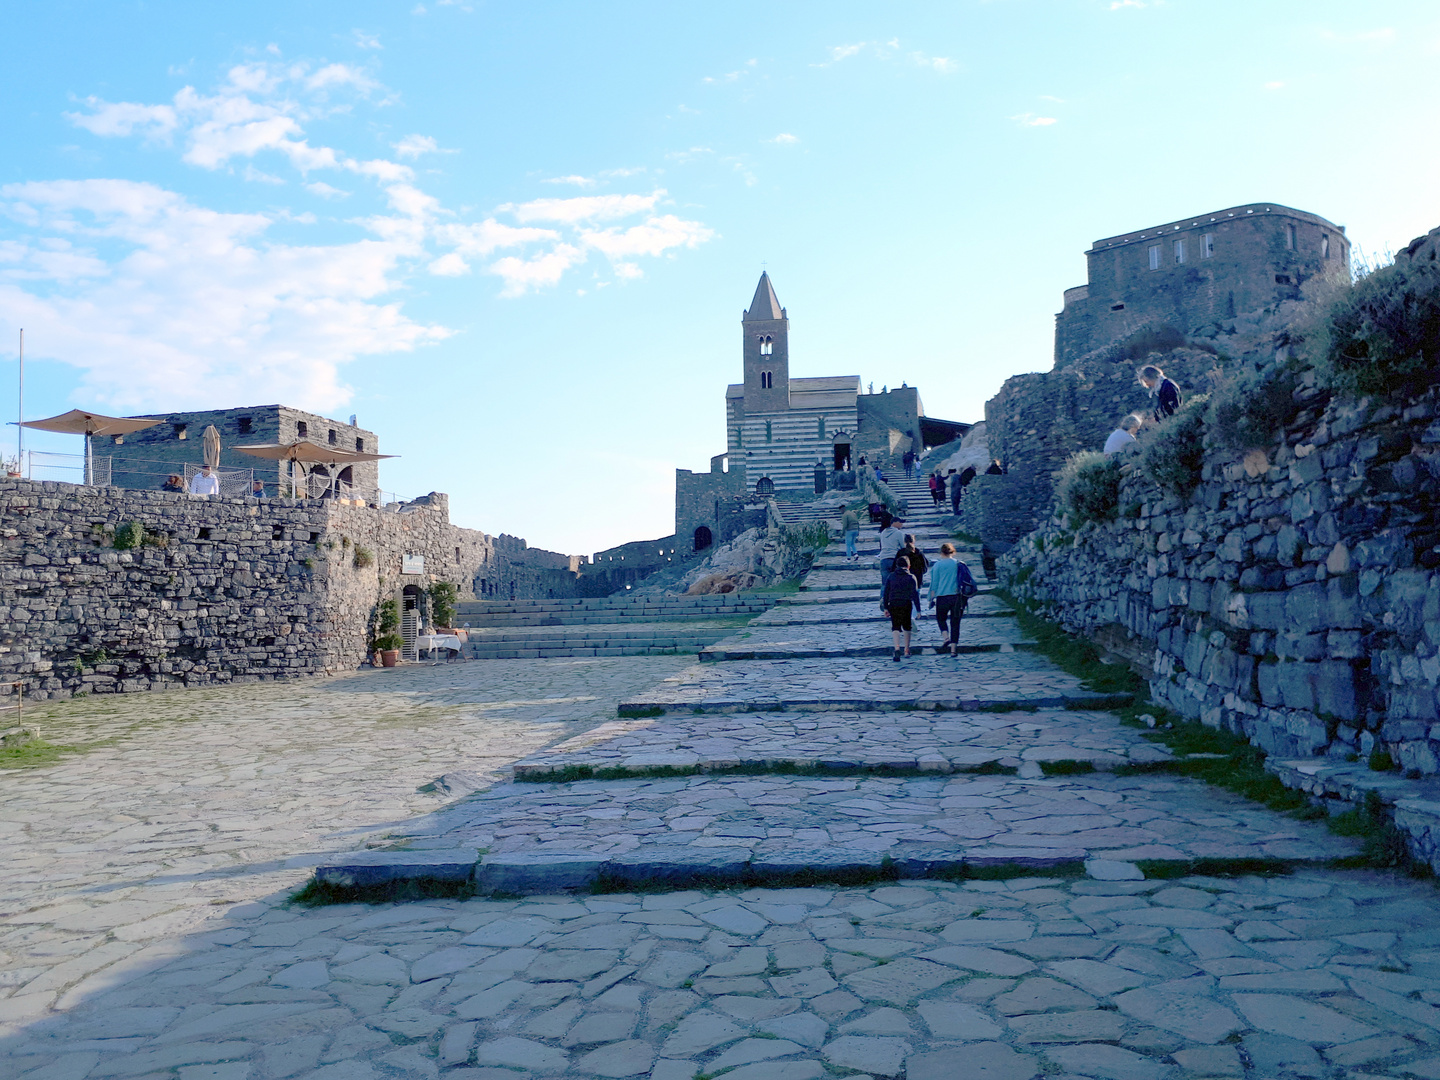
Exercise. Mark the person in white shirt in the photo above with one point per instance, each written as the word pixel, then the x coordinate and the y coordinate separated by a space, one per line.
pixel 205 483
pixel 1124 435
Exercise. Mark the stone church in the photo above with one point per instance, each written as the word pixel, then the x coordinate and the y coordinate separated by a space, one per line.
pixel 784 432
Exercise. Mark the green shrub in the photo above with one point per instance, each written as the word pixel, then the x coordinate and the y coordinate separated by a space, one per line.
pixel 1251 411
pixel 129 536
pixel 363 557
pixel 1089 486
pixel 386 642
pixel 1173 454
pixel 443 598
pixel 1382 336
pixel 811 536
pixel 387 616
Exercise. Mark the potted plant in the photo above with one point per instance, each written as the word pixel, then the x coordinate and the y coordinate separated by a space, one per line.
pixel 388 646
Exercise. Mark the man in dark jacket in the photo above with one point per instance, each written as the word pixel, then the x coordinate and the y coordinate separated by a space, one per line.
pixel 899 598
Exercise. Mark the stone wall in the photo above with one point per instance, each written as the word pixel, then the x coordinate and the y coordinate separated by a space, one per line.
pixel 1293 597
pixel 224 589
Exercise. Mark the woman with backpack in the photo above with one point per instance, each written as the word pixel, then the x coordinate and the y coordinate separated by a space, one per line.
pixel 951 586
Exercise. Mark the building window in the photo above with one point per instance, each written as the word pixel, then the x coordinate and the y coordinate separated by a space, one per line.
pixel 1154 256
pixel 1118 307
pixel 359 446
pixel 247 426
pixel 1207 245
pixel 767 380
pixel 1179 252
pixel 1325 245
pixel 302 429
pixel 739 441
pixel 117 439
pixel 1289 237
pixel 768 431
pixel 181 431
pixel 820 428
pixel 332 437
pixel 767 345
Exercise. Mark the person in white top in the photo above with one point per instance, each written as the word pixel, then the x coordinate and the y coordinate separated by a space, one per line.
pixel 1124 435
pixel 205 482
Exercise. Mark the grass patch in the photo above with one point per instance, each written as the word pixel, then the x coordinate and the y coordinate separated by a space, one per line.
pixel 1070 869
pixel 1066 767
pixel 1164 870
pixel 320 894
pixel 33 754
pixel 1074 654
pixel 1382 844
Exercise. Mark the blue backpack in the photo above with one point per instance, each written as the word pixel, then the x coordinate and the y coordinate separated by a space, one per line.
pixel 965 581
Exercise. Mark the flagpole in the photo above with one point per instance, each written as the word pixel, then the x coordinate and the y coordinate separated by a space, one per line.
pixel 20 417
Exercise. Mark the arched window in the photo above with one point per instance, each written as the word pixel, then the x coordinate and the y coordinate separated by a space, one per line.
pixel 703 538
pixel 764 486
pixel 767 380
pixel 767 345
pixel 820 427
pixel 769 432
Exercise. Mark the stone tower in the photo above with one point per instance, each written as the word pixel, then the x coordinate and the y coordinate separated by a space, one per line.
pixel 766 332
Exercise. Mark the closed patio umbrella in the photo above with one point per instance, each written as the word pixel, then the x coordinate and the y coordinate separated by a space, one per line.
pixel 79 422
pixel 212 447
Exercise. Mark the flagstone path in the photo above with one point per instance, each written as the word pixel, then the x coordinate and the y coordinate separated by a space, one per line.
pixel 146 932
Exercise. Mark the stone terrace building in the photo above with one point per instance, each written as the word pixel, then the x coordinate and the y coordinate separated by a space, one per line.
pixel 144 458
pixel 1198 270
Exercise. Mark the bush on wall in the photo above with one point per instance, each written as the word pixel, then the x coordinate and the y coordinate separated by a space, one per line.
pixel 1089 487
pixel 1173 454
pixel 1383 335
pixel 1251 411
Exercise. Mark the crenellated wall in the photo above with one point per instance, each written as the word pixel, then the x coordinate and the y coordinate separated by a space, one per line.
pixel 1294 596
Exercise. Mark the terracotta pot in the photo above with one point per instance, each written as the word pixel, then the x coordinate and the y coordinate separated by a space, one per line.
pixel 389 657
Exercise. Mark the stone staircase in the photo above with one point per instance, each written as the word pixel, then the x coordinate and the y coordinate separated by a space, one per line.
pixel 922 510
pixel 603 626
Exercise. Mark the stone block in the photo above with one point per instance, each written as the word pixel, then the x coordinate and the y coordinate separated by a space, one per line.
pixel 364 868
pixel 529 873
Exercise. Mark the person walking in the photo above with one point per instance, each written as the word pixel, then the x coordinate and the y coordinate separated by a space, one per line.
pixel 951 586
pixel 205 483
pixel 909 461
pixel 910 552
pixel 850 526
pixel 1123 435
pixel 957 488
pixel 937 490
pixel 899 598
pixel 892 539
pixel 1167 394
pixel 995 469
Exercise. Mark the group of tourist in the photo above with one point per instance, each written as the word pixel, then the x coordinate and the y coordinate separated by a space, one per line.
pixel 902 574
pixel 206 484
pixel 1167 403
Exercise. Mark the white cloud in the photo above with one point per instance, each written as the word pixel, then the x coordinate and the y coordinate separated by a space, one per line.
pixel 785 139
pixel 451 265
pixel 1274 85
pixel 522 275
pixel 412 146
pixel 490 235
pixel 844 52
pixel 255 176
pixel 332 75
pixel 325 191
pixel 122 118
pixel 656 236
pixel 583 207
pixel 166 303
pixel 941 64
pixel 1116 5
pixel 577 181
pixel 365 41
pixel 1031 120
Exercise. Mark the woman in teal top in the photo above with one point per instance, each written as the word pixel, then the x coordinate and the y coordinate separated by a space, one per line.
pixel 951 583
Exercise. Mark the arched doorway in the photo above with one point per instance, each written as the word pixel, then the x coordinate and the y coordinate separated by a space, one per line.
pixel 346 481
pixel 840 447
pixel 318 484
pixel 765 486
pixel 703 538
pixel 410 620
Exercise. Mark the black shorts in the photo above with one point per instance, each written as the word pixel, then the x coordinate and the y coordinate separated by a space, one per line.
pixel 900 618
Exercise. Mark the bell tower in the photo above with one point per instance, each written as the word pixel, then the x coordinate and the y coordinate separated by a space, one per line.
pixel 766 332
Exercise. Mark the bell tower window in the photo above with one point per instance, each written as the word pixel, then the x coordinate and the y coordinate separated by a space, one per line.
pixel 767 380
pixel 767 345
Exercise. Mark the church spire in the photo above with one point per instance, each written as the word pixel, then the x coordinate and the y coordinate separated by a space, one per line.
pixel 766 306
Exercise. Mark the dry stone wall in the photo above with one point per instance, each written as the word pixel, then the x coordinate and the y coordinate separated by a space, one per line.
pixel 222 590
pixel 1294 596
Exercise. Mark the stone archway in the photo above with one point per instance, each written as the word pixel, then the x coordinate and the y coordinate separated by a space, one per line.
pixel 703 538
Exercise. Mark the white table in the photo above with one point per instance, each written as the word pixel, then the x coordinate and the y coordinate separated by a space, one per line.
pixel 430 642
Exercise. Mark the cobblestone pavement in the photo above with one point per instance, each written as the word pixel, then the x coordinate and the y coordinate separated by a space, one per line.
pixel 1016 679
pixel 146 932
pixel 942 742
pixel 1316 975
pixel 190 799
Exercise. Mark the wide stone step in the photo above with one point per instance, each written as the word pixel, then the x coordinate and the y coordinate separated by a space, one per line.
pixel 824 608
pixel 561 650
pixel 944 742
pixel 978 682
pixel 872 637
pixel 550 837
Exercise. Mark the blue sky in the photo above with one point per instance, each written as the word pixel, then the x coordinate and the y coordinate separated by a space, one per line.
pixel 516 240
